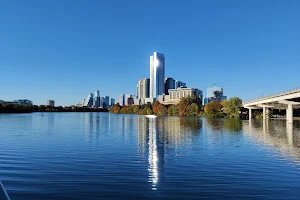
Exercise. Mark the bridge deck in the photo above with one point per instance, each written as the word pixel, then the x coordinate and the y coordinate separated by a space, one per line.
pixel 297 90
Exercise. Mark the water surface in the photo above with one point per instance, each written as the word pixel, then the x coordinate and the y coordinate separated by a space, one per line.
pixel 102 155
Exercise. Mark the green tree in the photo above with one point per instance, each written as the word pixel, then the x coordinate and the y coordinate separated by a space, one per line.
pixel 116 108
pixel 143 111
pixel 156 105
pixel 161 110
pixel 182 105
pixel 123 110
pixel 232 106
pixel 136 109
pixel 194 109
pixel 129 110
pixel 149 111
pixel 188 111
pixel 213 108
pixel 173 110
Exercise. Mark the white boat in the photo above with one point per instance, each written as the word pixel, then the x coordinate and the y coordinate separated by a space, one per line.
pixel 151 116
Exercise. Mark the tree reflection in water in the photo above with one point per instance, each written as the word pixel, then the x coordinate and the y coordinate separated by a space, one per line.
pixel 224 125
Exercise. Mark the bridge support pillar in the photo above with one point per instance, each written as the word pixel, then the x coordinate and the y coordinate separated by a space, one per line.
pixel 289 110
pixel 265 112
pixel 289 113
pixel 250 113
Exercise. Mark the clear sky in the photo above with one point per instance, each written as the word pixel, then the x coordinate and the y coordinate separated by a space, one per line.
pixel 64 49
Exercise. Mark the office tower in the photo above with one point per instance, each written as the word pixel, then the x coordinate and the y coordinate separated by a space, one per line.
pixel 128 99
pixel 97 99
pixel 214 93
pixel 106 101
pixel 102 102
pixel 89 100
pixel 179 84
pixel 112 102
pixel 143 88
pixel 50 103
pixel 157 75
pixel 121 99
pixel 170 84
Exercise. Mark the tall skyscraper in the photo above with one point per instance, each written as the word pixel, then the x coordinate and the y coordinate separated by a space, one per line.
pixel 170 84
pixel 89 100
pixel 112 102
pixel 157 75
pixel 106 101
pixel 97 99
pixel 143 88
pixel 121 99
pixel 128 99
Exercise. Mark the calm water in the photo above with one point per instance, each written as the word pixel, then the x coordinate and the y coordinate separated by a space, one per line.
pixel 101 155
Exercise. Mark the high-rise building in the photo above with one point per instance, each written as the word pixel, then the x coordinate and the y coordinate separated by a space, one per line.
pixel 170 84
pixel 106 101
pixel 89 100
pixel 157 75
pixel 143 88
pixel 128 99
pixel 179 84
pixel 121 99
pixel 214 93
pixel 112 102
pixel 97 99
pixel 50 103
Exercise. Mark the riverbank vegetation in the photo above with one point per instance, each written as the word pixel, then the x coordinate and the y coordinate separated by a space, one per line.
pixel 18 108
pixel 187 107
pixel 229 108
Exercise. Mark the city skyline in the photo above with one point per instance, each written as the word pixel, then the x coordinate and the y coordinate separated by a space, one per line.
pixel 242 46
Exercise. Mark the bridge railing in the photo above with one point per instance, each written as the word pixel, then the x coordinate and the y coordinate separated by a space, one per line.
pixel 275 95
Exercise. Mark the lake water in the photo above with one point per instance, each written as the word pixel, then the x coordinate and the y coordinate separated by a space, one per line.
pixel 108 156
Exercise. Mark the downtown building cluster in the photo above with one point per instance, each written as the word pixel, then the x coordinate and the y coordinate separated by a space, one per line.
pixel 158 88
pixel 96 101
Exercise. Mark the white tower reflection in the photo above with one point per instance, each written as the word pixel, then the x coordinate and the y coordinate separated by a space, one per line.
pixel 153 153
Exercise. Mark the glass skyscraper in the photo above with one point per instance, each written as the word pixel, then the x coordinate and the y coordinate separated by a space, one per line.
pixel 143 88
pixel 89 100
pixel 170 84
pixel 157 75
pixel 121 99
pixel 97 99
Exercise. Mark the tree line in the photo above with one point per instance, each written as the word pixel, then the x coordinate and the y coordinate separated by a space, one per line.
pixel 187 106
pixel 20 108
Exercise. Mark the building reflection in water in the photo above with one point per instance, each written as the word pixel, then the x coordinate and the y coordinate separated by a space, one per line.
pixel 155 158
pixel 277 135
pixel 157 135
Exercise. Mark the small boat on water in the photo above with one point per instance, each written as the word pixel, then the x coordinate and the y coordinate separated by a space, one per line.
pixel 151 116
pixel 3 193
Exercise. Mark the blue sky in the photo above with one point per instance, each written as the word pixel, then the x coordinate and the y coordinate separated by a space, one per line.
pixel 62 50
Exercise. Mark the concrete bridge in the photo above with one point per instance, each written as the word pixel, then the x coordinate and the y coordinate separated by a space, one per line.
pixel 287 100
